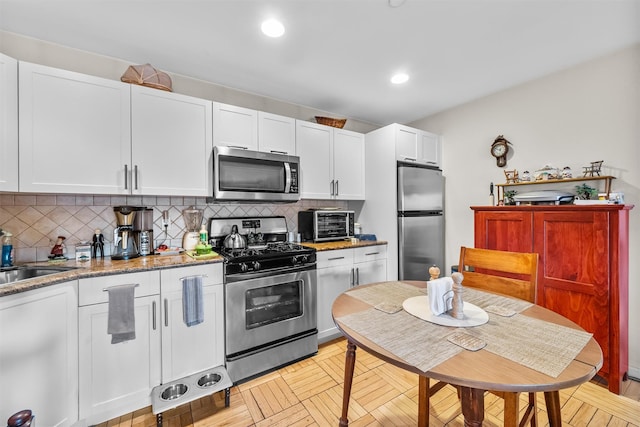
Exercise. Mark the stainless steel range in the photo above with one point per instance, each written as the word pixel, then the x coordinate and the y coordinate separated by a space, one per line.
pixel 270 295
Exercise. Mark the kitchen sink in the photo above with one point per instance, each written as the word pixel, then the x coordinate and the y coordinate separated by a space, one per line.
pixel 15 274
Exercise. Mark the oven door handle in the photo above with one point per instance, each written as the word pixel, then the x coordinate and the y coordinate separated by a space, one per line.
pixel 266 273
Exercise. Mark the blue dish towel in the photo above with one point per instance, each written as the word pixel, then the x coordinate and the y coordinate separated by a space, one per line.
pixel 192 307
pixel 121 323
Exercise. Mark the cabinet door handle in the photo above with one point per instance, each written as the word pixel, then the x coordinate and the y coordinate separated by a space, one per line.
pixel 238 146
pixel 135 177
pixel 371 253
pixel 126 177
pixel 411 159
pixel 331 186
pixel 337 188
pixel 278 152
pixel 153 313
pixel 357 276
pixel 166 312
pixel 335 258
pixel 352 278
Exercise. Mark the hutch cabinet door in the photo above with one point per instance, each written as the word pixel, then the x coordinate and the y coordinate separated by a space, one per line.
pixel 504 231
pixel 574 278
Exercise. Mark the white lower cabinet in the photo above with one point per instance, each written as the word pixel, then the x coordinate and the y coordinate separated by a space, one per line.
pixel 190 349
pixel 339 270
pixel 117 378
pixel 370 264
pixel 39 354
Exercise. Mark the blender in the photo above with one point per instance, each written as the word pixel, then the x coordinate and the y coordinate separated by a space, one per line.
pixel 124 245
pixel 192 221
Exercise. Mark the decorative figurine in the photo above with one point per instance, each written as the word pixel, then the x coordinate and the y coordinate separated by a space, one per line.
pixel 98 244
pixel 593 169
pixel 567 173
pixel 434 273
pixel 526 176
pixel 59 249
pixel 511 176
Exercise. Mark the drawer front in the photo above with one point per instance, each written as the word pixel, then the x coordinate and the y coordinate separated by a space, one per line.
pixel 335 258
pixel 370 253
pixel 170 278
pixel 92 290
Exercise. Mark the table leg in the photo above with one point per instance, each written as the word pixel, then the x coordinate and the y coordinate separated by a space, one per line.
pixel 552 399
pixel 472 406
pixel 349 365
pixel 423 401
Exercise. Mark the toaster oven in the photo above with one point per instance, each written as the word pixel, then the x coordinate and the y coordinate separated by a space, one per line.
pixel 325 225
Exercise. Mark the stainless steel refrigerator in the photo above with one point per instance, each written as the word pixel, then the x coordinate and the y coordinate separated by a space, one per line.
pixel 420 221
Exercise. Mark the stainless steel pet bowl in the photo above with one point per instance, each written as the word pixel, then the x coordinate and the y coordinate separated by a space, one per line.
pixel 173 392
pixel 209 379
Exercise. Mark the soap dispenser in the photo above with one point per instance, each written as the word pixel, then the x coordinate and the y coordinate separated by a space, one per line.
pixel 7 250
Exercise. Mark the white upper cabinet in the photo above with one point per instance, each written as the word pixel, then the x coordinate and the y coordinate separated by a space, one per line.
pixel 235 127
pixel 314 145
pixel 406 143
pixel 276 134
pixel 332 162
pixel 75 132
pixel 348 165
pixel 415 145
pixel 429 148
pixel 171 143
pixel 8 123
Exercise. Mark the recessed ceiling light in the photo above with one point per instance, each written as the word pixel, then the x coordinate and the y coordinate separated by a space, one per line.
pixel 399 78
pixel 272 28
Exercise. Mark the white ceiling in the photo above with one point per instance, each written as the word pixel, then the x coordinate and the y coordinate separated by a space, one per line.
pixel 338 56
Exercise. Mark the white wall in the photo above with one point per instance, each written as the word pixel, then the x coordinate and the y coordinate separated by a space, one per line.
pixel 586 113
pixel 45 53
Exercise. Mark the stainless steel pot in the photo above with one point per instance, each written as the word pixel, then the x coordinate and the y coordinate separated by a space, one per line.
pixel 235 240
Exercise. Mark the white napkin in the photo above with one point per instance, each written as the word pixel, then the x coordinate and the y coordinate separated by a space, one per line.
pixel 436 290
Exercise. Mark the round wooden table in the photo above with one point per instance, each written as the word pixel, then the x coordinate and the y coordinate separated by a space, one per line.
pixel 474 372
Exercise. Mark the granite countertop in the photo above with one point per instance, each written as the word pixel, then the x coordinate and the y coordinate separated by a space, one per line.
pixel 342 244
pixel 103 267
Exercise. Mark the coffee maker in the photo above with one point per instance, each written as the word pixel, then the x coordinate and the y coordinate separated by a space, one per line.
pixel 143 231
pixel 124 245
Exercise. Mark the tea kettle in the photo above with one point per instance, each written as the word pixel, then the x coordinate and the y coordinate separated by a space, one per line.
pixel 235 240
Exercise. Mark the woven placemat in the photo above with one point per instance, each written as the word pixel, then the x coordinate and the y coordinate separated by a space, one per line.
pixel 419 343
pixel 389 292
pixel 537 344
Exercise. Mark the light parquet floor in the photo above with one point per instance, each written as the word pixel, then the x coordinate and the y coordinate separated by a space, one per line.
pixel 309 393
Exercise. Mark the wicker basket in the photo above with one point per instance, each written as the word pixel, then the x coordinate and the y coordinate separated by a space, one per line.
pixel 146 75
pixel 336 123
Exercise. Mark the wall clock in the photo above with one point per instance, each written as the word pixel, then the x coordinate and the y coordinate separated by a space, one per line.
pixel 499 150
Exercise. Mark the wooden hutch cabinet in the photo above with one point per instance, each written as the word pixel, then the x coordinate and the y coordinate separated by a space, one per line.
pixel 583 270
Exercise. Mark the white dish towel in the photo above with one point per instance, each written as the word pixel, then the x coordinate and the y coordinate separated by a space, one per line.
pixel 437 292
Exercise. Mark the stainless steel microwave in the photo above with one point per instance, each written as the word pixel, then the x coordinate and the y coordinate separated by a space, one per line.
pixel 240 174
pixel 325 225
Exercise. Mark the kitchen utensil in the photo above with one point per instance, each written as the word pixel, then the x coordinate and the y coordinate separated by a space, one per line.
pixel 192 221
pixel 235 240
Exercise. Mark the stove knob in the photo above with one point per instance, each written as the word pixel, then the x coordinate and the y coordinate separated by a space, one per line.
pixel 256 266
pixel 244 267
pixel 303 259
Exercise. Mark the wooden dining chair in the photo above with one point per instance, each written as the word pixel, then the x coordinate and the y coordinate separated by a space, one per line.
pixel 512 274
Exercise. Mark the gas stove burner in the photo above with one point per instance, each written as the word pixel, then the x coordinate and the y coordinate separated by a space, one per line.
pixel 267 250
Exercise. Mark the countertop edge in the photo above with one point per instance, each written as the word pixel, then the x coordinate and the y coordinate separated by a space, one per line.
pixel 103 267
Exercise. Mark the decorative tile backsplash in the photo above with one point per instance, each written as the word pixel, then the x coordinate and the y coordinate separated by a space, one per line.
pixel 36 220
